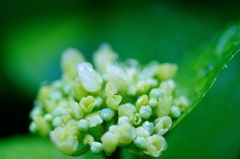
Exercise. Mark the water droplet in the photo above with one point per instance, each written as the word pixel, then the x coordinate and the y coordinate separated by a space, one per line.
pixel 210 67
pixel 205 70
pixel 236 43
pixel 224 67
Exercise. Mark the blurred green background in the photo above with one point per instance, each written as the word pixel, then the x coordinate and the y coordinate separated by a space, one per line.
pixel 34 33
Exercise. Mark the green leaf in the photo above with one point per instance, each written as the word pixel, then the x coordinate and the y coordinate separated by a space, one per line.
pixel 34 147
pixel 197 74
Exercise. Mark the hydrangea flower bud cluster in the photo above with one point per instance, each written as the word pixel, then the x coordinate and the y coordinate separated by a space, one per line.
pixel 111 104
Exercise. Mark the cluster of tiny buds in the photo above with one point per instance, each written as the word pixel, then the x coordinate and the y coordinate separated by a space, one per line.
pixel 113 104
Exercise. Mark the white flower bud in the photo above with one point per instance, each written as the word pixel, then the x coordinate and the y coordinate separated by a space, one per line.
pixel 175 112
pixel 123 119
pixel 148 126
pixel 162 125
pixel 104 57
pixel 66 138
pixel 94 120
pixel 96 147
pixel 117 75
pixel 109 142
pixel 140 142
pixel 155 144
pixel 107 114
pixel 153 102
pixel 56 121
pixel 141 131
pixel 168 87
pixel 48 117
pixel 145 112
pixel 83 125
pixel 88 77
pixel 33 127
pixel 156 93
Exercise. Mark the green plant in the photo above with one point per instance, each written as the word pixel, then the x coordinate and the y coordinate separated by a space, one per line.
pixel 194 79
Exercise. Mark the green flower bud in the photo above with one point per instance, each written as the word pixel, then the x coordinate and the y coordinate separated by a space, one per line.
pixel 141 101
pixel 33 127
pixel 182 102
pixel 65 119
pixel 155 144
pixel 132 90
pixel 49 105
pixel 69 60
pixel 162 125
pixel 166 71
pixel 119 76
pixel 37 111
pixel 78 90
pixel 137 119
pixel 113 101
pixel 44 93
pixel 111 89
pixel 168 87
pixel 153 102
pixel 126 134
pixel 66 138
pixel 126 110
pixel 88 139
pixel 88 103
pixel 42 125
pixel 76 111
pixel 64 142
pixel 71 126
pixel 109 142
pixel 164 106
pixel 104 52
pixel 142 87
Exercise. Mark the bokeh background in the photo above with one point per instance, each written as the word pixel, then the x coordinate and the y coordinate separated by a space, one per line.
pixel 34 33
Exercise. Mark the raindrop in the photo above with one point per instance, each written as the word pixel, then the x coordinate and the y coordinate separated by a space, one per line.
pixel 205 70
pixel 236 43
pixel 224 67
pixel 210 67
